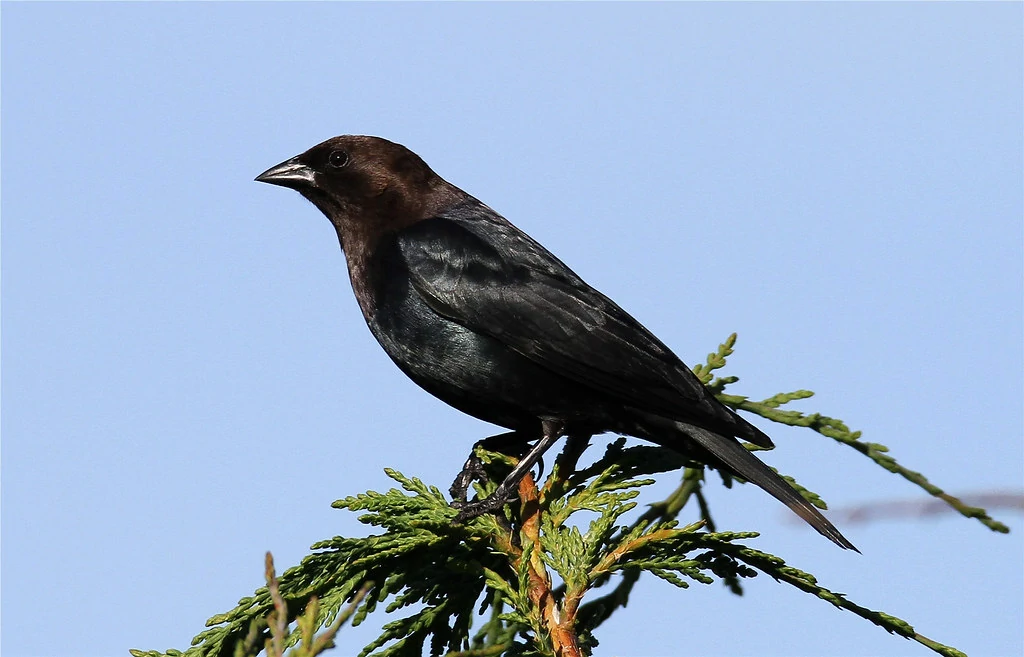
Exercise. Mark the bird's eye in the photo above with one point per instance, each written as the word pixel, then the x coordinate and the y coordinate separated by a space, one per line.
pixel 337 159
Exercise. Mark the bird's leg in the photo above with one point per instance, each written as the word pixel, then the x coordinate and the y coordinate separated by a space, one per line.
pixel 505 492
pixel 507 443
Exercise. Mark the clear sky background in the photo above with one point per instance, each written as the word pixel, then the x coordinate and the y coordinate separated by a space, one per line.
pixel 187 381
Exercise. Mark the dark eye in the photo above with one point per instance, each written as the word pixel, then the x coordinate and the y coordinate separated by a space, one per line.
pixel 337 159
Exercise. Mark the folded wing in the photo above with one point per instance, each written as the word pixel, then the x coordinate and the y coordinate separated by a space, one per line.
pixel 477 269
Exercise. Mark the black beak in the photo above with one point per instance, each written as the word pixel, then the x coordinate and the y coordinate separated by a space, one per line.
pixel 291 173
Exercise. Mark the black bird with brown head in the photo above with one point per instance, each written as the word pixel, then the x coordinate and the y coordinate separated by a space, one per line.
pixel 486 319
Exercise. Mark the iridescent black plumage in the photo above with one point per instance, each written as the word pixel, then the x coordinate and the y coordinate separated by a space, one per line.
pixel 486 319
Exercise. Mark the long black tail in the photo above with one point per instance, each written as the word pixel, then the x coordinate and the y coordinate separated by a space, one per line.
pixel 738 459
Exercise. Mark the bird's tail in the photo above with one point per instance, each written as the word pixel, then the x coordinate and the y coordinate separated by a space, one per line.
pixel 738 459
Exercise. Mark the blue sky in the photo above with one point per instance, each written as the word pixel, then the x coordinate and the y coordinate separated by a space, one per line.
pixel 187 381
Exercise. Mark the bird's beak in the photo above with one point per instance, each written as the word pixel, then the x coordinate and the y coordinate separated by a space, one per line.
pixel 291 173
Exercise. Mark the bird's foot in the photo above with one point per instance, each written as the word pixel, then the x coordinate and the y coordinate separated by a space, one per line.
pixel 493 503
pixel 472 471
pixel 512 443
pixel 506 490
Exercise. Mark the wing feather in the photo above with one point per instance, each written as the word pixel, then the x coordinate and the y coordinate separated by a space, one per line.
pixel 474 267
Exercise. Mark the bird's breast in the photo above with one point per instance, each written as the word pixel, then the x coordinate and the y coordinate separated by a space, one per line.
pixel 469 370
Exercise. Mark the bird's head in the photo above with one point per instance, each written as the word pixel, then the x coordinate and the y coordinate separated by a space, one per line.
pixel 363 184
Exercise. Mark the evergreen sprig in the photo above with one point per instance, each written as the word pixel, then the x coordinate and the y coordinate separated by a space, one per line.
pixel 538 578
pixel 832 428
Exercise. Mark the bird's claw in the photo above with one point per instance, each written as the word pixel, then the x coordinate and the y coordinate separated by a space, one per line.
pixel 472 471
pixel 493 503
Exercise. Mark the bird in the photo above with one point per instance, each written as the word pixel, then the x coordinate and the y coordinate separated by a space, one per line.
pixel 483 317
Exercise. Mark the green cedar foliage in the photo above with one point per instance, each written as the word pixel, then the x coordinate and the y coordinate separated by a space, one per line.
pixel 539 579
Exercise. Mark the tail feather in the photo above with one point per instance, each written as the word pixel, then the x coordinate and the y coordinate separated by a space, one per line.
pixel 738 459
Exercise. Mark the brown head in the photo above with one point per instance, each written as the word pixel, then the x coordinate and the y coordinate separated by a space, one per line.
pixel 366 186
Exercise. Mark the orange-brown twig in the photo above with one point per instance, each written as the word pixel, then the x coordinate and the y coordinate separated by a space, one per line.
pixel 560 627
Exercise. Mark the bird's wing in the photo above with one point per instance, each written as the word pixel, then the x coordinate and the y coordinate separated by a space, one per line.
pixel 477 269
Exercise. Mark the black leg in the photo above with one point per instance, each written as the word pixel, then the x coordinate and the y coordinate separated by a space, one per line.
pixel 506 491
